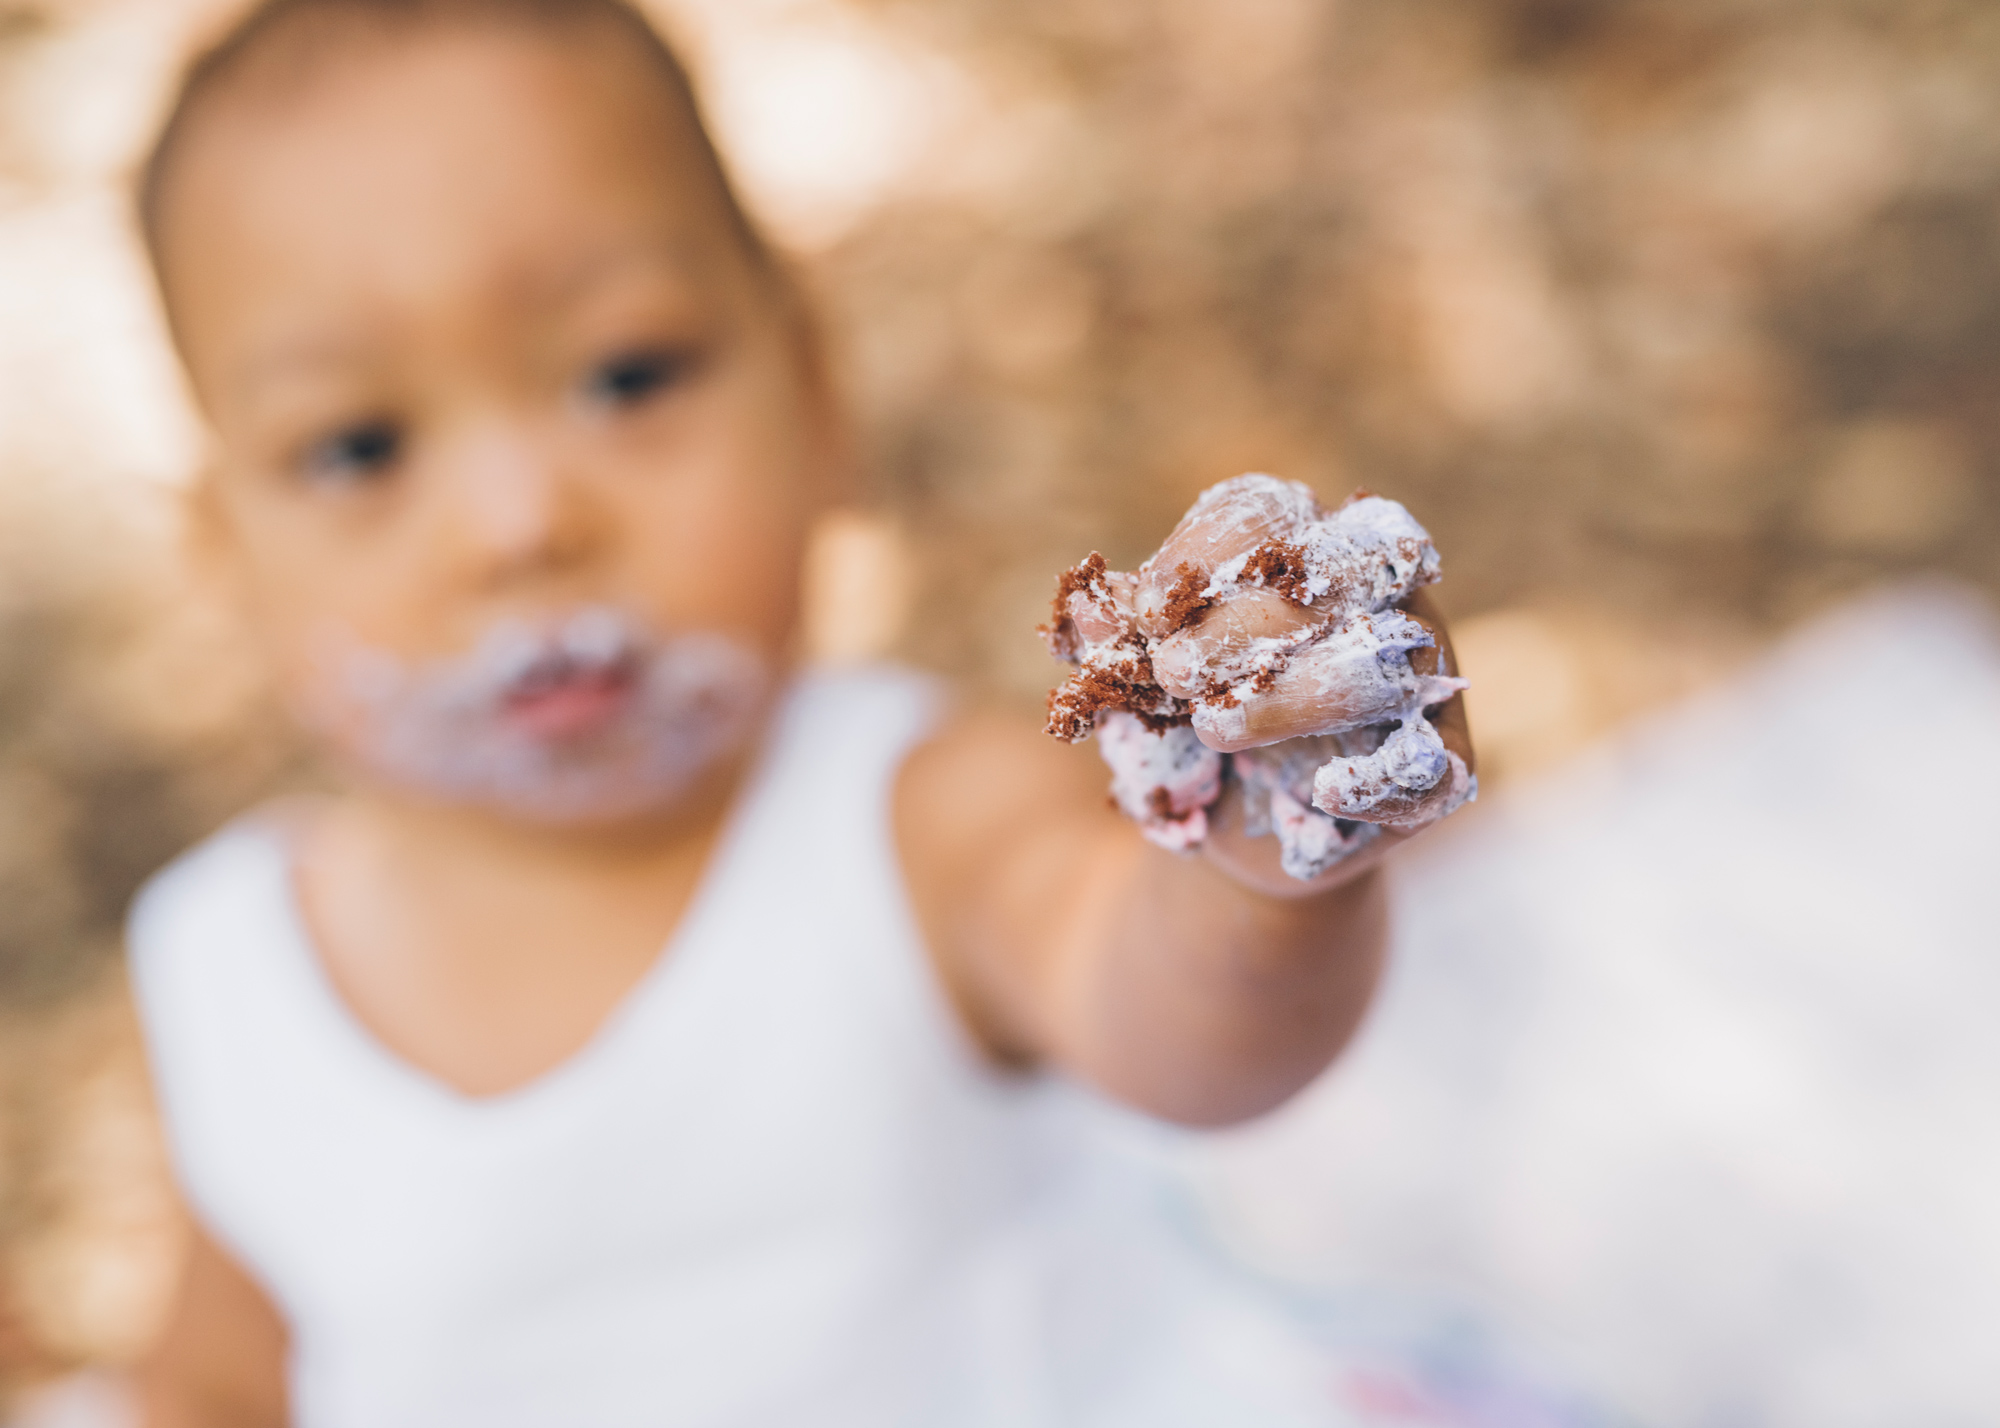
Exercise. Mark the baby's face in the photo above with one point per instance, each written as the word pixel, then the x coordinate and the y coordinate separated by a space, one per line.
pixel 517 442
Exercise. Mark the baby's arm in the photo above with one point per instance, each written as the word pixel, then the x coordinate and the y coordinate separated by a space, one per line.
pixel 1068 939
pixel 221 1361
pixel 1208 984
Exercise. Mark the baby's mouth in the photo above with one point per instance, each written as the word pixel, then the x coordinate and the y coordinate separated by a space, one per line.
pixel 563 699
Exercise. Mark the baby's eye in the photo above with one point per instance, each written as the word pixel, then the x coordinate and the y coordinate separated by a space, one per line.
pixel 634 377
pixel 355 455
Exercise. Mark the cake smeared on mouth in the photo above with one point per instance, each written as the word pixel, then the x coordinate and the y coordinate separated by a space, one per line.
pixel 1262 645
pixel 579 715
pixel 565 682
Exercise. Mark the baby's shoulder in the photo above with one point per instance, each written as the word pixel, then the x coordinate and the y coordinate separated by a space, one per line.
pixel 205 902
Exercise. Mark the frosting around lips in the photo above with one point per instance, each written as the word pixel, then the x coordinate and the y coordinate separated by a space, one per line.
pixel 587 715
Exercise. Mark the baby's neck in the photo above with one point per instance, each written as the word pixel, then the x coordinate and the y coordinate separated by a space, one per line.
pixel 452 842
pixel 486 951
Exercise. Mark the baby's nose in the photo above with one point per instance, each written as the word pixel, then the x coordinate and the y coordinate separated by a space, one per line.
pixel 516 499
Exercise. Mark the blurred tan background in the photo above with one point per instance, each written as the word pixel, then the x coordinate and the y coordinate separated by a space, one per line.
pixel 1677 321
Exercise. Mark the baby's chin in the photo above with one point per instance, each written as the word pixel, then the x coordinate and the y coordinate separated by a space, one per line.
pixel 583 796
pixel 605 783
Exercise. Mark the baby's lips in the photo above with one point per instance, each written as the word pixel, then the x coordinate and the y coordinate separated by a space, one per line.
pixel 1231 519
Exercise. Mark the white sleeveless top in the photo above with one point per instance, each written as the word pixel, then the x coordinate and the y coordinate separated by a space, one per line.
pixel 778 1189
pixel 779 1161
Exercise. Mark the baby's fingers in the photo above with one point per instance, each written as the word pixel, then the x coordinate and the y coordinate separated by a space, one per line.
pixel 1361 674
pixel 1448 718
pixel 1230 519
pixel 1423 770
pixel 1187 662
pixel 1410 782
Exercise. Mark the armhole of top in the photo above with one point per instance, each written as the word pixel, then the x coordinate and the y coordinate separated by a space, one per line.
pixel 933 704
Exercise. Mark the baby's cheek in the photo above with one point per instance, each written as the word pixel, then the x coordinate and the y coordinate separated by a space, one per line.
pixel 326 688
pixel 738 569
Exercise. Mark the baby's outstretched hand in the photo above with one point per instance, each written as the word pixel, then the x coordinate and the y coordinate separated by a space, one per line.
pixel 1276 651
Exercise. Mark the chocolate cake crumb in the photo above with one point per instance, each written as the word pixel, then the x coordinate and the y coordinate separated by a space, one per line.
pixel 1159 803
pixel 1219 694
pixel 1075 705
pixel 1264 681
pixel 1060 632
pixel 1281 566
pixel 1080 576
pixel 1185 602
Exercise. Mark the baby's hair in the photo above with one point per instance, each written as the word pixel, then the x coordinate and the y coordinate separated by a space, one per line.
pixel 296 32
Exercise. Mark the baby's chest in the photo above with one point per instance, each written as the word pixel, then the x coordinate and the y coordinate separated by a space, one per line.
pixel 770 1154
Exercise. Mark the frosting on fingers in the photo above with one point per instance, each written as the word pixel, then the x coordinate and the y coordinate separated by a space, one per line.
pixel 1165 781
pixel 1265 619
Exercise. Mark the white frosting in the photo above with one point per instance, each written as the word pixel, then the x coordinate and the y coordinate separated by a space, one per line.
pixel 1277 784
pixel 1358 673
pixel 1148 769
pixel 1264 617
pixel 1375 547
pixel 1389 785
pixel 1370 552
pixel 441 726
pixel 1310 843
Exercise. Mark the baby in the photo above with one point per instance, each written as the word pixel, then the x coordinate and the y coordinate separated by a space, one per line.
pixel 646 1033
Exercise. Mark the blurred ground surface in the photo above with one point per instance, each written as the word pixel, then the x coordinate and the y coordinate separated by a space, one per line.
pixel 1677 320
pixel 1683 1076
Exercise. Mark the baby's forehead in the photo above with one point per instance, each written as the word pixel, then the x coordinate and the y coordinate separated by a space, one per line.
pixel 339 79
pixel 352 91
pixel 481 174
pixel 438 133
